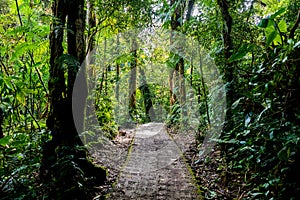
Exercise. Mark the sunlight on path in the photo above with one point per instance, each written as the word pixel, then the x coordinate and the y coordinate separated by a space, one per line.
pixel 154 168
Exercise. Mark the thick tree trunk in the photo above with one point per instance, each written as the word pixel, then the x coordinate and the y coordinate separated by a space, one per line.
pixel 228 72
pixel 182 87
pixel 65 137
pixel 228 68
pixel 60 120
pixel 190 8
pixel 56 82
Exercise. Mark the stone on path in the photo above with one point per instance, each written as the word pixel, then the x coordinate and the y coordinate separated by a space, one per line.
pixel 154 168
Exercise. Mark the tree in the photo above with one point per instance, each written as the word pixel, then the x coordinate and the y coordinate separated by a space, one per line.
pixel 132 81
pixel 177 72
pixel 228 67
pixel 177 75
pixel 63 70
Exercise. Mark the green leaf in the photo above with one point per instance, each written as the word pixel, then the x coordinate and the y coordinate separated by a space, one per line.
pixel 20 96
pixel 242 51
pixel 263 23
pixel 270 38
pixel 4 141
pixel 283 154
pixel 270 27
pixel 7 82
pixel 280 11
pixel 277 40
pixel 282 26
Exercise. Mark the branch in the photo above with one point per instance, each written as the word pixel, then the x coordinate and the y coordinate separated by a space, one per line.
pixel 34 119
pixel 38 72
pixel 4 67
pixel 19 15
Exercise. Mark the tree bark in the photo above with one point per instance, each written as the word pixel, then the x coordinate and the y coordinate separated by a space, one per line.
pixel 228 72
pixel 63 71
pixel 228 68
pixel 56 82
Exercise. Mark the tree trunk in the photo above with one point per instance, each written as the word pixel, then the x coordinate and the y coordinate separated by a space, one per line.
pixel 91 18
pixel 65 138
pixel 132 83
pixel 117 73
pixel 228 70
pixel 228 67
pixel 132 88
pixel 177 74
pixel 149 112
pixel 117 80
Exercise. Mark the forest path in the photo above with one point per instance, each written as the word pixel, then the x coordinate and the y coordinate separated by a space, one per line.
pixel 154 168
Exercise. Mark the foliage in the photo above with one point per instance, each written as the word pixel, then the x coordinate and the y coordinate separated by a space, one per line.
pixel 20 160
pixel 261 143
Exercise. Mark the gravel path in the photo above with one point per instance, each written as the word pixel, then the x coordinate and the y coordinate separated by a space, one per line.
pixel 154 168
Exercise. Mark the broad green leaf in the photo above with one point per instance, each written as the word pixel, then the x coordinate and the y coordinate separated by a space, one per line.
pixel 277 40
pixel 4 141
pixel 282 26
pixel 270 38
pixel 243 50
pixel 280 11
pixel 270 27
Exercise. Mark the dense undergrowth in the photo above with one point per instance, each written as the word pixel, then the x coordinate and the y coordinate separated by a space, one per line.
pixel 254 43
